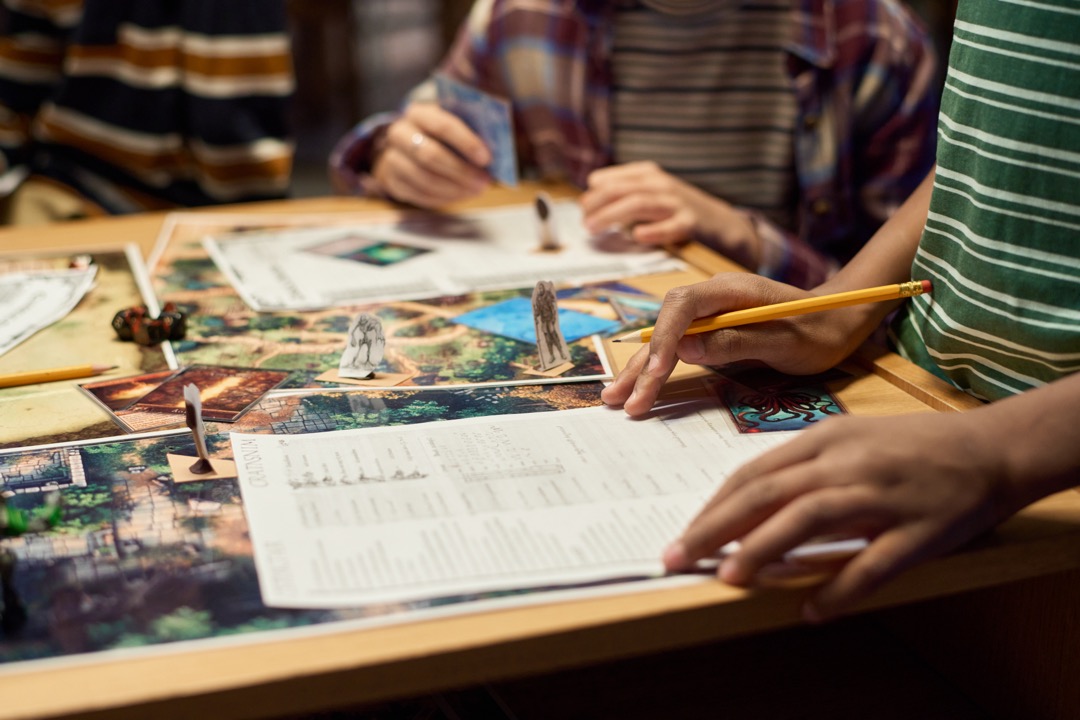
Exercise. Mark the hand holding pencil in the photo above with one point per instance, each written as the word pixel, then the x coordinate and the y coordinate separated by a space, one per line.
pixel 791 308
pixel 748 304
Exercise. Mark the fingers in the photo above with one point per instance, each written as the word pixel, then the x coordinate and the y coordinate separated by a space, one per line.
pixel 627 195
pixel 636 210
pixel 606 185
pixel 680 308
pixel 736 511
pixel 675 228
pixel 431 158
pixel 619 390
pixel 805 447
pixel 683 305
pixel 449 130
pixel 825 511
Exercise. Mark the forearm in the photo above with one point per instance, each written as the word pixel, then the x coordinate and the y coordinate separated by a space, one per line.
pixel 885 259
pixel 1034 433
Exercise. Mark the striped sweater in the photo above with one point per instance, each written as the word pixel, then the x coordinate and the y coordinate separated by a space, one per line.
pixel 1002 240
pixel 143 105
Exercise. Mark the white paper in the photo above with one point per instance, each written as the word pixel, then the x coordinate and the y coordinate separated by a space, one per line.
pixel 485 250
pixel 449 508
pixel 32 301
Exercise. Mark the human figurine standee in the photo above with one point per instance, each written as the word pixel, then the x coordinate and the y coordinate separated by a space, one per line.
pixel 365 348
pixel 550 344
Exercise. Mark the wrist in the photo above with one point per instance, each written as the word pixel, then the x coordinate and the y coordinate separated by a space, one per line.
pixel 735 234
pixel 748 240
pixel 1032 434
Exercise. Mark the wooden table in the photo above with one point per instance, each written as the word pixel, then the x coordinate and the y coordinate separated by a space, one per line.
pixel 360 666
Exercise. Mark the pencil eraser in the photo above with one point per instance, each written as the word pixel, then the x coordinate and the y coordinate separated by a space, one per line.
pixel 927 286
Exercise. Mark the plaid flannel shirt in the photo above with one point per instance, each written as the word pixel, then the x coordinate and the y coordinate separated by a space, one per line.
pixel 864 76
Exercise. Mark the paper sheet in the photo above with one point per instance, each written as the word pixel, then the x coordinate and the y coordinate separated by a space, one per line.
pixel 32 301
pixel 399 513
pixel 420 256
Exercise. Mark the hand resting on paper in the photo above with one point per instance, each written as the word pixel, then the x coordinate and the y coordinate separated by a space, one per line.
pixel 659 209
pixel 430 158
pixel 915 486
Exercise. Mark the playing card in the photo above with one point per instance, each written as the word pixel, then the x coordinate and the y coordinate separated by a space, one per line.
pixel 489 117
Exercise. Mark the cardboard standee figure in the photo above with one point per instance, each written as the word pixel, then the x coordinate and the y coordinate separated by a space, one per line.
pixel 549 241
pixel 550 343
pixel 193 409
pixel 365 348
pixel 184 471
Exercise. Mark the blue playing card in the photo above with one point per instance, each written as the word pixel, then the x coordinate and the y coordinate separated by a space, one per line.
pixel 489 117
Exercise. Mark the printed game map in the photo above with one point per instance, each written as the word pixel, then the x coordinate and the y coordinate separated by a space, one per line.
pixel 56 412
pixel 424 342
pixel 139 560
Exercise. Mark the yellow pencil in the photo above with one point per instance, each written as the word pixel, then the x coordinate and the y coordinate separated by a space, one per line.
pixel 31 377
pixel 794 307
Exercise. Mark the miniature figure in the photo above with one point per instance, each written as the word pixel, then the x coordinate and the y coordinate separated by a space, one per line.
pixel 365 348
pixel 193 410
pixel 550 343
pixel 549 242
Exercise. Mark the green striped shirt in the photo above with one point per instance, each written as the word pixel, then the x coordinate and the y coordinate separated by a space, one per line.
pixel 1002 240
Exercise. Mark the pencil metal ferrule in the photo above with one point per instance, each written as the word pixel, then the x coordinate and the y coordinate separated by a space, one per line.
pixel 910 289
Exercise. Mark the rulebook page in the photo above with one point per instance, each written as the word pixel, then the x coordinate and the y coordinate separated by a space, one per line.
pixel 493 503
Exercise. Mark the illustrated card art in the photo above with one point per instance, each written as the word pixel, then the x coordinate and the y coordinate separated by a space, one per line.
pixel 763 400
pixel 226 392
pixel 123 392
pixel 359 248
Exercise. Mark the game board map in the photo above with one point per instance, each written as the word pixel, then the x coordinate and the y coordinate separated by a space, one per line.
pixel 139 561
pixel 423 339
pixel 57 412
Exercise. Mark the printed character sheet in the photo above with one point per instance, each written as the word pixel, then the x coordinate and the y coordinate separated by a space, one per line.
pixel 390 514
pixel 425 255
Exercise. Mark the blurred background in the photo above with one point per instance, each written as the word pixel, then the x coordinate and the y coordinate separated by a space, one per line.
pixel 358 57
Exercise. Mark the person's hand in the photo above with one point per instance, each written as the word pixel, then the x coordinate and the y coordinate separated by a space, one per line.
pixel 431 158
pixel 657 208
pixel 915 486
pixel 800 346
